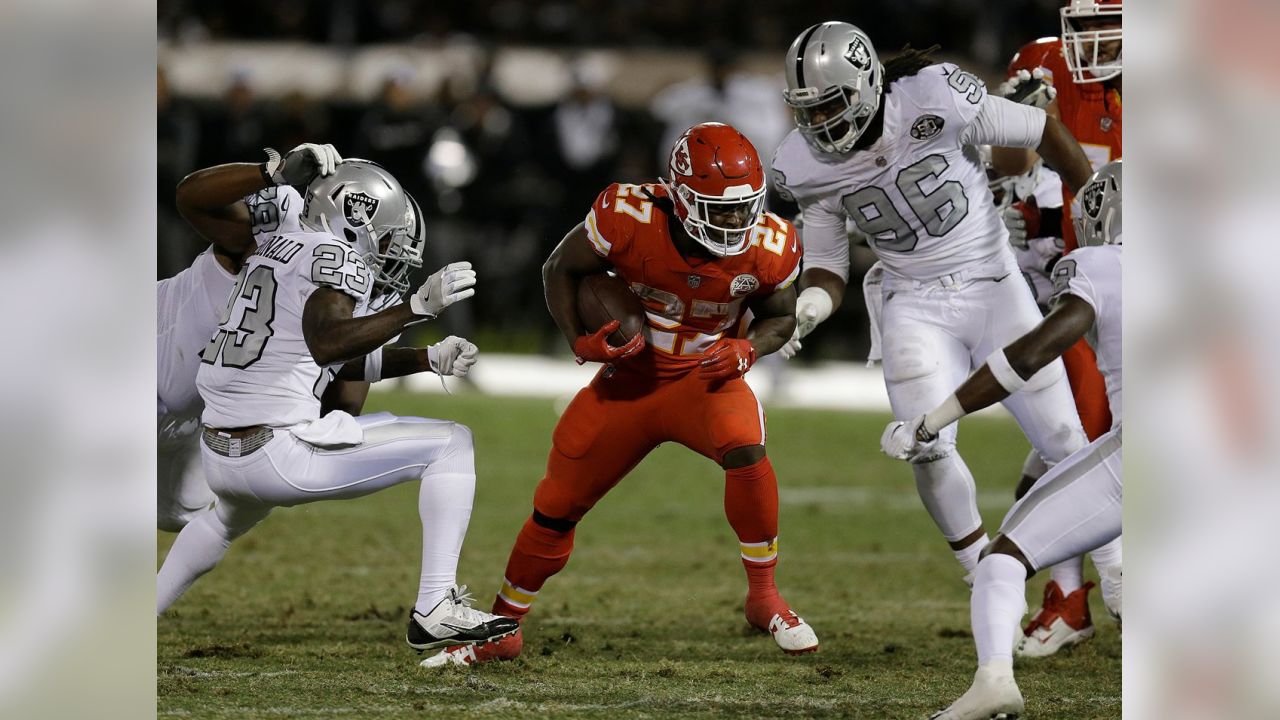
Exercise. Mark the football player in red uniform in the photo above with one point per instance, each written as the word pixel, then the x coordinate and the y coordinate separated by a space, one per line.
pixel 698 250
pixel 1078 78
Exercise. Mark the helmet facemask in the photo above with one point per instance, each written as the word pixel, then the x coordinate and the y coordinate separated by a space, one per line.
pixel 400 252
pixel 721 224
pixel 1085 40
pixel 832 121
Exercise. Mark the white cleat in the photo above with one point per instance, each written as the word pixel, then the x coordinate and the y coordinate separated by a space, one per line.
pixel 793 634
pixel 994 695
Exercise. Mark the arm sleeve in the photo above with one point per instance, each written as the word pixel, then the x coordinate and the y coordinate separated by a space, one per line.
pixel 1002 123
pixel 826 244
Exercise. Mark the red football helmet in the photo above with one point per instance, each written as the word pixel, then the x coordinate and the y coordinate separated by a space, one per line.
pixel 716 182
pixel 1091 36
pixel 1034 54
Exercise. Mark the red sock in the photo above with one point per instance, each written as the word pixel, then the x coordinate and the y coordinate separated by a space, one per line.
pixel 538 554
pixel 751 504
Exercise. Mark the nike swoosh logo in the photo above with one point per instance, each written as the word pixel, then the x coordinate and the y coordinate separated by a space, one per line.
pixel 455 628
pixel 794 244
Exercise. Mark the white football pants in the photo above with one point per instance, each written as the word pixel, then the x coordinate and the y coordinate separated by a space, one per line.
pixel 287 471
pixel 1075 507
pixel 934 335
pixel 181 490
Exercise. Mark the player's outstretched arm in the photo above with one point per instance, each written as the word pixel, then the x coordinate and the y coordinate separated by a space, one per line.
pixel 774 321
pixel 571 261
pixel 1063 153
pixel 1004 373
pixel 333 335
pixel 210 200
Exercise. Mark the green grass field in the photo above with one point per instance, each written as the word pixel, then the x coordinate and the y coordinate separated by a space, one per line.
pixel 305 618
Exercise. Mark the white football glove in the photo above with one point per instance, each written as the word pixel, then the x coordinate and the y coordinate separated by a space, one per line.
pixel 446 286
pixel 452 356
pixel 1029 88
pixel 1016 224
pixel 301 165
pixel 812 307
pixel 900 440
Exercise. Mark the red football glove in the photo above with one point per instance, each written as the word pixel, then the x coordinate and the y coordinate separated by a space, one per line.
pixel 728 358
pixel 596 348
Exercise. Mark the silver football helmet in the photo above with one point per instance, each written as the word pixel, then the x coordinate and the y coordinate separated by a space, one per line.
pixel 402 259
pixel 1099 220
pixel 363 204
pixel 834 80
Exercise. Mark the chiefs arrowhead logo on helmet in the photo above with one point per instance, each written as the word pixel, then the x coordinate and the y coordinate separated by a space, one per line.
pixel 359 208
pixel 858 55
pixel 680 158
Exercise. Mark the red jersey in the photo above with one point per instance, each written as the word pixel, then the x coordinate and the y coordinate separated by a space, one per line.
pixel 1091 111
pixel 689 302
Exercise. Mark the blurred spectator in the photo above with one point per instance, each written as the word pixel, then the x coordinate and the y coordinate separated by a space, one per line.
pixel 586 138
pixel 236 130
pixel 295 120
pixel 177 145
pixel 395 133
pixel 751 103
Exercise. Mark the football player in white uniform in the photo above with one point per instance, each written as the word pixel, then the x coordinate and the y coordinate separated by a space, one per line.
pixel 292 325
pixel 190 303
pixel 906 168
pixel 1076 506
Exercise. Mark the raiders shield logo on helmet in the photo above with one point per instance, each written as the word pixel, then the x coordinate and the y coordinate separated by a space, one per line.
pixel 858 55
pixel 926 126
pixel 743 285
pixel 1091 199
pixel 359 208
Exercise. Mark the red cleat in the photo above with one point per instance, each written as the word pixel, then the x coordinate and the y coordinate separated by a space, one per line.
pixel 507 648
pixel 1061 622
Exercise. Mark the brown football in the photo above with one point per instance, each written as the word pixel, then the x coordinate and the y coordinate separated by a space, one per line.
pixel 606 297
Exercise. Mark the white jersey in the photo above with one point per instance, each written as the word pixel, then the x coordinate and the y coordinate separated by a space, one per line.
pixel 1093 274
pixel 189 304
pixel 257 369
pixel 920 190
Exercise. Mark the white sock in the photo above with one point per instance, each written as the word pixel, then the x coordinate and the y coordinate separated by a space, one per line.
pixel 1108 555
pixel 444 504
pixel 968 556
pixel 998 604
pixel 198 548
pixel 1069 574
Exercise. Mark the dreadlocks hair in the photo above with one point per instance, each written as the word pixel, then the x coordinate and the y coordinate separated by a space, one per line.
pixel 908 62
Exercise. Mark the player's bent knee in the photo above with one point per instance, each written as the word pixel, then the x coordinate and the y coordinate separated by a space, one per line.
pixel 560 525
pixel 1002 545
pixel 741 457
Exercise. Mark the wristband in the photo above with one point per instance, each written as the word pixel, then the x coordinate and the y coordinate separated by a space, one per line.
pixel 820 301
pixel 943 415
pixel 1004 372
pixel 373 366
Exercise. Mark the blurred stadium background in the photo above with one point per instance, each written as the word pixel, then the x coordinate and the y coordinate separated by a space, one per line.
pixel 506 118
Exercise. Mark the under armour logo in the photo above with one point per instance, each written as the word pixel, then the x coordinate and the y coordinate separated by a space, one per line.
pixel 742 365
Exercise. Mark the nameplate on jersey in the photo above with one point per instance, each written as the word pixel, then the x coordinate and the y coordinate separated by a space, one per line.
pixel 279 248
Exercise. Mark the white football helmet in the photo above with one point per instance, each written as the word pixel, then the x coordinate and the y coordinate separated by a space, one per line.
pixel 1085 45
pixel 1099 220
pixel 363 204
pixel 834 80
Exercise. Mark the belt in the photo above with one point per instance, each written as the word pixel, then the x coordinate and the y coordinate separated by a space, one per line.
pixel 237 442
